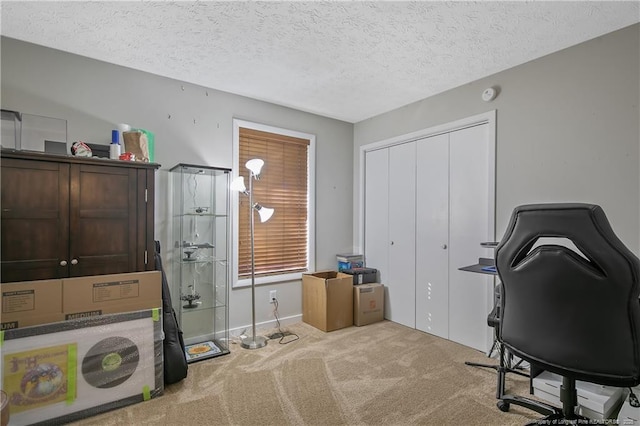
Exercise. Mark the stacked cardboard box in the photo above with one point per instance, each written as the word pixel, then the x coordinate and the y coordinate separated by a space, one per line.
pixel 368 303
pixel 30 303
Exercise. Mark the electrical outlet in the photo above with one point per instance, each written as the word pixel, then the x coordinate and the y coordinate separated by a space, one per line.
pixel 272 296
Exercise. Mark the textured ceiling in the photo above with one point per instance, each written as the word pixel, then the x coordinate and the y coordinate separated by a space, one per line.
pixel 346 60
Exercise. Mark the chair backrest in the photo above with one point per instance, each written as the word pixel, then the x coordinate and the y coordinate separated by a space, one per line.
pixel 574 314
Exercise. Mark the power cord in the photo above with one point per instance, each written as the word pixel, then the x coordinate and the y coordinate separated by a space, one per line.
pixel 281 334
pixel 238 339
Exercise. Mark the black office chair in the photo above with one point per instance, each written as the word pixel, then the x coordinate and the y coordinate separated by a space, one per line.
pixel 574 315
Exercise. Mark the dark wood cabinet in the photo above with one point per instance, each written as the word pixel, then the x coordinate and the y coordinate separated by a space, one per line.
pixel 69 217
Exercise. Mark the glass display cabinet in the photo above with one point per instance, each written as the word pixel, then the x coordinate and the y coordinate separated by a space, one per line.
pixel 199 288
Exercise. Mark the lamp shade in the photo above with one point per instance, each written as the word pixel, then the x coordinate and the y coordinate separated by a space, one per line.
pixel 238 184
pixel 264 212
pixel 255 166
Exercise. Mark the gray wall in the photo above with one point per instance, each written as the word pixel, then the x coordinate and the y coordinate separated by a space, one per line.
pixel 93 96
pixel 568 129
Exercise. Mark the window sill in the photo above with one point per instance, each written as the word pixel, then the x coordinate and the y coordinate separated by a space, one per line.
pixel 246 282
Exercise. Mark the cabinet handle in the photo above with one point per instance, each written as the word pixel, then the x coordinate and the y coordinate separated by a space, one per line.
pixel 444 247
pixel 63 263
pixel 391 242
pixel 74 261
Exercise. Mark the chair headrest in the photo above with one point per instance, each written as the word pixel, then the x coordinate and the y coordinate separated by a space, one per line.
pixel 584 225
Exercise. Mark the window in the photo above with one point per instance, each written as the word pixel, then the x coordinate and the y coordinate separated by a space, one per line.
pixel 284 244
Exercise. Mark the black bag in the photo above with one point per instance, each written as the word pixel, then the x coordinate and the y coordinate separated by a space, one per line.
pixel 175 359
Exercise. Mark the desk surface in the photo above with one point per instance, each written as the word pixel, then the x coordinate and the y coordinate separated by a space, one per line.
pixel 483 262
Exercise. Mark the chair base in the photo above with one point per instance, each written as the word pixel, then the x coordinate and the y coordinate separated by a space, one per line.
pixel 554 415
pixel 502 371
pixel 504 366
pixel 539 407
pixel 514 370
pixel 506 400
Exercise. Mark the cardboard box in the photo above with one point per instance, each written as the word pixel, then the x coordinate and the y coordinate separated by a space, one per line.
pixel 327 300
pixel 594 401
pixel 30 303
pixel 368 304
pixel 109 294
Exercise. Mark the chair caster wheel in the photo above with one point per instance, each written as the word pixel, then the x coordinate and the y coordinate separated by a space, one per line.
pixel 503 406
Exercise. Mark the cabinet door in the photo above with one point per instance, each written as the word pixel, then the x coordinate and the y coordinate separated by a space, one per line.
pixel 402 237
pixel 470 223
pixel 103 228
pixel 35 220
pixel 432 235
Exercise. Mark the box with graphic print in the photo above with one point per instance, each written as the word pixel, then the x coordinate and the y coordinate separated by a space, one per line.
pixel 368 303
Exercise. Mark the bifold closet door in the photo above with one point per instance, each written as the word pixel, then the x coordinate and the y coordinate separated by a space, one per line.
pixel 400 304
pixel 470 206
pixel 390 227
pixel 453 200
pixel 432 235
pixel 428 205
pixel 376 198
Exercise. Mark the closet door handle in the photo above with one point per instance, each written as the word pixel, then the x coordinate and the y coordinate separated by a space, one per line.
pixel 391 242
pixel 444 246
pixel 74 261
pixel 63 263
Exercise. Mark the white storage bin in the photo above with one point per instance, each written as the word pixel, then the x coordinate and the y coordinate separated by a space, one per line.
pixel 594 401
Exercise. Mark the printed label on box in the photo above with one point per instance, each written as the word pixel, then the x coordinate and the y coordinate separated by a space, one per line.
pixel 116 290
pixel 18 301
pixel 87 314
pixel 9 325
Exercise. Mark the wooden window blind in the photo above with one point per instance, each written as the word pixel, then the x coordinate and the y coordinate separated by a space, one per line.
pixel 280 243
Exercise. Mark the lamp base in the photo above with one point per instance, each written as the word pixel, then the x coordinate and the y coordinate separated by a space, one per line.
pixel 256 342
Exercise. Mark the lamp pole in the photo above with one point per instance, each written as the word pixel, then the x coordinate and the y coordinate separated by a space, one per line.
pixel 259 341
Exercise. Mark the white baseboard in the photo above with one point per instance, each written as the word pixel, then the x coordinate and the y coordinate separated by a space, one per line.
pixel 263 326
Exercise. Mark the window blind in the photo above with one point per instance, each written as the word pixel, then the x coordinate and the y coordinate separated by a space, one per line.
pixel 280 243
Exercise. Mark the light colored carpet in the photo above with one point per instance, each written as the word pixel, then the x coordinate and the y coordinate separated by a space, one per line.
pixel 379 374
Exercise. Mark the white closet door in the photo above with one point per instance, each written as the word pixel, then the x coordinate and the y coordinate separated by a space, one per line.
pixel 470 201
pixel 400 303
pixel 432 233
pixel 376 199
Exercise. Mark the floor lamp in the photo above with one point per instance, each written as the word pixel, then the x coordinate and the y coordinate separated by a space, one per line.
pixel 254 166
